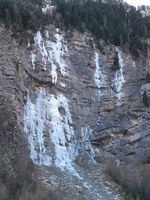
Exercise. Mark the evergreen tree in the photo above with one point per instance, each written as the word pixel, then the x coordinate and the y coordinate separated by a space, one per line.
pixel 115 65
pixel 145 99
pixel 109 21
pixel 148 77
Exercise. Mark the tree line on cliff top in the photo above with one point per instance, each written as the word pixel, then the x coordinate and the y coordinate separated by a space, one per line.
pixel 112 22
pixel 115 23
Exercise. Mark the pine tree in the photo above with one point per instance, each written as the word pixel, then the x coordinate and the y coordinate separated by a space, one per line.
pixel 145 99
pixel 148 77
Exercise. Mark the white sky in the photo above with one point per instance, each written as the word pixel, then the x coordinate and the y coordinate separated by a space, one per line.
pixel 138 2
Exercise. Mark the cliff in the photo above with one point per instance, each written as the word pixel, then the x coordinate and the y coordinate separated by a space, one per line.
pixel 65 107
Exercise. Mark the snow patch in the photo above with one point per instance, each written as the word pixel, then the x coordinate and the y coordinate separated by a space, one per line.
pixel 47 34
pixel 63 85
pixel 29 45
pixel 134 64
pixel 47 8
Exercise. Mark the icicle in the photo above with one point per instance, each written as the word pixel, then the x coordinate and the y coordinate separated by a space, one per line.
pixel 33 59
pixel 52 52
pixel 50 111
pixel 40 42
pixel 98 76
pixel 119 77
pixel 62 134
pixel 56 53
pixel 86 132
pixel 34 119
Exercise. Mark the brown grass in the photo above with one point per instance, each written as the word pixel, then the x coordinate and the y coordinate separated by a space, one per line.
pixel 133 178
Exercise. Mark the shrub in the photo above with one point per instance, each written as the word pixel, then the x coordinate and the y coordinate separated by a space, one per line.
pixel 115 65
pixel 47 194
pixel 134 179
pixel 146 157
pixel 145 99
pixel 148 77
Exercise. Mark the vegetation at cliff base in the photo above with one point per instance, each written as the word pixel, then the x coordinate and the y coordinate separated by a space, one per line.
pixel 133 178
pixel 148 77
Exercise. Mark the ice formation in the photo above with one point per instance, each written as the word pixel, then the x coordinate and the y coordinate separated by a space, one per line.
pixel 50 112
pixel 119 77
pixel 134 64
pixel 62 85
pixel 57 51
pixel 86 132
pixel 33 59
pixel 53 53
pixel 98 76
pixel 34 126
pixel 40 42
pixel 47 6
pixel 62 134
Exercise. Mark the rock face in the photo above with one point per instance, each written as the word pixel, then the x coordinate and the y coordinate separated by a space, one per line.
pixel 123 129
pixel 15 166
pixel 76 80
pixel 61 97
pixel 62 101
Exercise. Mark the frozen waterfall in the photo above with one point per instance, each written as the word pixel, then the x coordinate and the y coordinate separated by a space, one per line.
pixel 52 52
pixel 49 112
pixel 98 76
pixel 34 126
pixel 119 77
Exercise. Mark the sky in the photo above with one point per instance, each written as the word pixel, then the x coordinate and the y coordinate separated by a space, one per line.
pixel 138 2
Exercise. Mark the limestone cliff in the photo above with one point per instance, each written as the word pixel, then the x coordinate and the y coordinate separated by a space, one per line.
pixel 64 108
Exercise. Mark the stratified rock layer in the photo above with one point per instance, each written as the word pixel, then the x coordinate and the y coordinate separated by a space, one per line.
pixel 63 107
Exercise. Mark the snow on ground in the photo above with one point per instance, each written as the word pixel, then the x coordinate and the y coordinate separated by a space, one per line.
pixel 62 85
